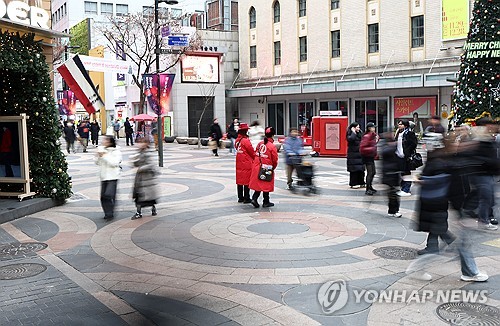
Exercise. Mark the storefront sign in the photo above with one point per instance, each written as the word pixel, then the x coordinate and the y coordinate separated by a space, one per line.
pixel 482 50
pixel 455 19
pixel 200 69
pixel 404 107
pixel 21 12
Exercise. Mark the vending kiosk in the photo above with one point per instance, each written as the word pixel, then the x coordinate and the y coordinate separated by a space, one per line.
pixel 329 135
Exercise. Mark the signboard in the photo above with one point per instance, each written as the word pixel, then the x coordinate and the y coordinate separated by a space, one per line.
pixel 404 107
pixel 105 65
pixel 200 69
pixel 454 19
pixel 24 13
pixel 150 88
pixel 482 50
pixel 174 40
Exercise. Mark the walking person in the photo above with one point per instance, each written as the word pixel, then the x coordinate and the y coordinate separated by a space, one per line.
pixel 146 190
pixel 391 175
pixel 69 136
pixel 255 133
pixel 406 146
pixel 129 132
pixel 83 134
pixel 215 134
pixel 109 158
pixel 368 150
pixel 116 128
pixel 293 147
pixel 355 165
pixel 94 133
pixel 245 155
pixel 232 133
pixel 266 155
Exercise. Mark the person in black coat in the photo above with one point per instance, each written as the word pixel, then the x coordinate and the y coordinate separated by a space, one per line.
pixel 129 132
pixel 355 164
pixel 391 175
pixel 69 136
pixel 216 135
pixel 406 141
pixel 94 132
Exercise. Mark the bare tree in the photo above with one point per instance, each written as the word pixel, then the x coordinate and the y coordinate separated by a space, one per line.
pixel 136 33
pixel 207 91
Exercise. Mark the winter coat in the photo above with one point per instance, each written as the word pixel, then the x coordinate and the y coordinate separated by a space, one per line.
pixel 390 165
pixel 409 147
pixel 368 147
pixel 69 134
pixel 128 127
pixel 146 178
pixel 215 132
pixel 109 163
pixel 94 129
pixel 354 159
pixel 269 156
pixel 83 130
pixel 256 134
pixel 232 131
pixel 244 160
pixel 293 146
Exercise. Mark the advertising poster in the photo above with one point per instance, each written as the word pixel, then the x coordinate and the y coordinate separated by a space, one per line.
pixel 405 107
pixel 10 158
pixel 66 101
pixel 161 104
pixel 332 139
pixel 455 19
pixel 200 69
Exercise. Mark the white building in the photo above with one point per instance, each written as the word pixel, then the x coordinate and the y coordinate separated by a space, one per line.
pixel 372 60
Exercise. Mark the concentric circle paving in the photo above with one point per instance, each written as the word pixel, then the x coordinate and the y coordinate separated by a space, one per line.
pixel 18 271
pixel 278 228
pixel 21 249
pixel 466 313
pixel 396 252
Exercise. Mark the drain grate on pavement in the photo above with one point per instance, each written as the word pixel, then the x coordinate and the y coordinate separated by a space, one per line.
pixel 76 197
pixel 396 252
pixel 18 271
pixel 18 250
pixel 466 313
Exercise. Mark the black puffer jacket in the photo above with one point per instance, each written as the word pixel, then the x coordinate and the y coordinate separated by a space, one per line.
pixel 354 159
pixel 390 164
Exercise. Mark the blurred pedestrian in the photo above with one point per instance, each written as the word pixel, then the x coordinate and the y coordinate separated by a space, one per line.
pixel 434 125
pixel 266 156
pixel 129 132
pixel 406 141
pixel 255 133
pixel 146 190
pixel 83 134
pixel 215 135
pixel 94 133
pixel 391 175
pixel 293 147
pixel 368 150
pixel 232 134
pixel 109 158
pixel 354 160
pixel 116 128
pixel 245 155
pixel 69 136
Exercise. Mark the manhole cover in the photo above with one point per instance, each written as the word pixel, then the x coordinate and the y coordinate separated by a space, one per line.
pixel 395 252
pixel 21 249
pixel 17 271
pixel 466 313
pixel 77 197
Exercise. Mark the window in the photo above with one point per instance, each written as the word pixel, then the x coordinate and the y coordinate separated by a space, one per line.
pixel 277 53
pixel 253 57
pixel 90 7
pixel 417 31
pixel 303 48
pixel 121 10
pixel 276 10
pixel 106 8
pixel 253 18
pixel 335 44
pixel 302 8
pixel 148 10
pixel 276 117
pixel 334 106
pixel 335 4
pixel 373 38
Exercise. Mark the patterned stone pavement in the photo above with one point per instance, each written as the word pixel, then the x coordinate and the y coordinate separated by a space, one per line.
pixel 208 260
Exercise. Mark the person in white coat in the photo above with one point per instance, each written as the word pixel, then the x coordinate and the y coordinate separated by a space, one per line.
pixel 255 133
pixel 109 158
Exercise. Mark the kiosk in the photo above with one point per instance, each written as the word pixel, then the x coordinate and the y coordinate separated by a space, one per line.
pixel 328 134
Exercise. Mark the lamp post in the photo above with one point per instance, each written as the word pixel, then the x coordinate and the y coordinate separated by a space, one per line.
pixel 159 123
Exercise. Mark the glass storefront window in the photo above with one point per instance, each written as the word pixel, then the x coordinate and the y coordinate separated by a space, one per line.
pixel 301 115
pixel 371 111
pixel 276 117
pixel 335 106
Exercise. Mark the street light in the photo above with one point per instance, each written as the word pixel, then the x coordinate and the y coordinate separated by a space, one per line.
pixel 159 124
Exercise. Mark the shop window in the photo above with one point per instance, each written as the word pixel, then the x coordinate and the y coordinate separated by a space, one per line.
pixel 335 106
pixel 276 10
pixel 277 53
pixel 303 48
pixel 371 111
pixel 253 18
pixel 90 7
pixel 302 8
pixel 417 32
pixel 276 117
pixel 372 38
pixel 253 57
pixel 335 44
pixel 301 115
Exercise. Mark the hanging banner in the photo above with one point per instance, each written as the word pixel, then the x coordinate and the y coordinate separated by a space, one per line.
pixel 104 65
pixel 66 100
pixel 150 85
pixel 454 19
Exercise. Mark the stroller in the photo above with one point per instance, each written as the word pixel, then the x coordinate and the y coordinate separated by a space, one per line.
pixel 305 173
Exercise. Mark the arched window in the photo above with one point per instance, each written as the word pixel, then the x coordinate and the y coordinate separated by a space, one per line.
pixel 276 10
pixel 253 19
pixel 302 8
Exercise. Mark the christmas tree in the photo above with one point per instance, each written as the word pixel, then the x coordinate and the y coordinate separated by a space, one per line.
pixel 26 88
pixel 477 91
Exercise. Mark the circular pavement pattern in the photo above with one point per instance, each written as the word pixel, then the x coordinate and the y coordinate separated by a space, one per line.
pixel 466 313
pixel 396 252
pixel 278 228
pixel 18 271
pixel 21 249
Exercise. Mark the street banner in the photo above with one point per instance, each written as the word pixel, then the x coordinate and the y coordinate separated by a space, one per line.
pixel 455 19
pixel 78 80
pixel 105 65
pixel 66 101
pixel 150 87
pixel 120 55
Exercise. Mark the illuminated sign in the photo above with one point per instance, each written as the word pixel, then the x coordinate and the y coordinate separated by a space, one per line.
pixel 455 19
pixel 21 12
pixel 200 69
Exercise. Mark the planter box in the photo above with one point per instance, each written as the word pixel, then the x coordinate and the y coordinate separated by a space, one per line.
pixel 192 140
pixel 170 139
pixel 181 140
pixel 225 143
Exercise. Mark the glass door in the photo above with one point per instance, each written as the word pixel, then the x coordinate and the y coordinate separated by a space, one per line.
pixel 301 116
pixel 276 117
pixel 371 111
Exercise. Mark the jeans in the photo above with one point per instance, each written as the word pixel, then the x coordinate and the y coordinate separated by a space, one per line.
pixel 484 184
pixel 231 146
pixel 467 262
pixel 108 197
pixel 432 240
pixel 70 145
pixel 405 185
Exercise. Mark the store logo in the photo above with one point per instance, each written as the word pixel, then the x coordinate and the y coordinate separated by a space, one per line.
pixel 332 296
pixel 21 12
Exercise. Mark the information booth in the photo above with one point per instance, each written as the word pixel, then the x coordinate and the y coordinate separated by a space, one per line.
pixel 328 135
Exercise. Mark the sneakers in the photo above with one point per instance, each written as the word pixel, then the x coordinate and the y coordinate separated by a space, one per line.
pixel 489 226
pixel 403 194
pixel 136 216
pixel 269 204
pixel 289 187
pixel 479 277
pixel 397 214
pixel 427 251
pixel 493 221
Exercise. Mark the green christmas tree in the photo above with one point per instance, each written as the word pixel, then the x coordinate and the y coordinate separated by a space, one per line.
pixel 26 88
pixel 477 91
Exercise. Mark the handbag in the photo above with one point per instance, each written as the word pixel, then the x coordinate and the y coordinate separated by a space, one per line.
pixel 415 161
pixel 265 171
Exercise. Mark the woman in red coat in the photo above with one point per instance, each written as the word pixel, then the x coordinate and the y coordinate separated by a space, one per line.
pixel 244 159
pixel 265 154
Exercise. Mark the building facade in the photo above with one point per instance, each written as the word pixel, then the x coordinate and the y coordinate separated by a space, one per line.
pixel 222 14
pixel 370 60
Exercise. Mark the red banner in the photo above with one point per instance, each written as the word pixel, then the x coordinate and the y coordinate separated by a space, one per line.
pixel 150 82
pixel 404 107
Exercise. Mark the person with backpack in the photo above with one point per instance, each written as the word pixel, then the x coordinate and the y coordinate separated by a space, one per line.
pixel 368 150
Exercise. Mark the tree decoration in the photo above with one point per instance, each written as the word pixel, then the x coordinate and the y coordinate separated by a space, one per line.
pixel 26 88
